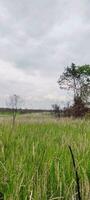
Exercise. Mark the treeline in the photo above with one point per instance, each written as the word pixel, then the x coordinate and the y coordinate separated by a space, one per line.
pixel 56 111
pixel 76 110
pixel 24 111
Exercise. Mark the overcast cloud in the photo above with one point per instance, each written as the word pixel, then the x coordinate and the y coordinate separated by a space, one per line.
pixel 38 39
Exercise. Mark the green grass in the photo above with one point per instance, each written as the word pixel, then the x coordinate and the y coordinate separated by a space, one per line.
pixel 35 162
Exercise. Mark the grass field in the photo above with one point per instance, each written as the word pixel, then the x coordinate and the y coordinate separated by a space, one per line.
pixel 35 161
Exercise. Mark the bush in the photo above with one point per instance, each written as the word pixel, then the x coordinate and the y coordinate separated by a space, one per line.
pixel 78 109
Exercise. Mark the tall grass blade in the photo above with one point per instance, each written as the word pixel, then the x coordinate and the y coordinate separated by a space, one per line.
pixel 76 173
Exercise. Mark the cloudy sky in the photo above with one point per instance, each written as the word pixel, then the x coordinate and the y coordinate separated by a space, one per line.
pixel 38 39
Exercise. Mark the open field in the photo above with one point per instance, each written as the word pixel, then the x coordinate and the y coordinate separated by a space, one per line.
pixel 35 161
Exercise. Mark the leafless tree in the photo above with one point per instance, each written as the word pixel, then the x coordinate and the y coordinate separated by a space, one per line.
pixel 56 110
pixel 14 104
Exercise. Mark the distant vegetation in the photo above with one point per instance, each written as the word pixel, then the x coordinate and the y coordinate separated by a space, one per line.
pixel 77 79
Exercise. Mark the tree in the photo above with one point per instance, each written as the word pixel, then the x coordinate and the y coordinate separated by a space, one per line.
pixel 14 104
pixel 56 110
pixel 77 79
pixel 84 81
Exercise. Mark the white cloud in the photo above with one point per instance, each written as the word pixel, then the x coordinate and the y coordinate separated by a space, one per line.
pixel 38 39
pixel 8 72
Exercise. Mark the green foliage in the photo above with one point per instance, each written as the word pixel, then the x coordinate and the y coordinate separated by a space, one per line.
pixel 84 70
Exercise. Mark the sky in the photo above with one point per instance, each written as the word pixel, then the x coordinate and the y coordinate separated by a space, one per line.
pixel 38 39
